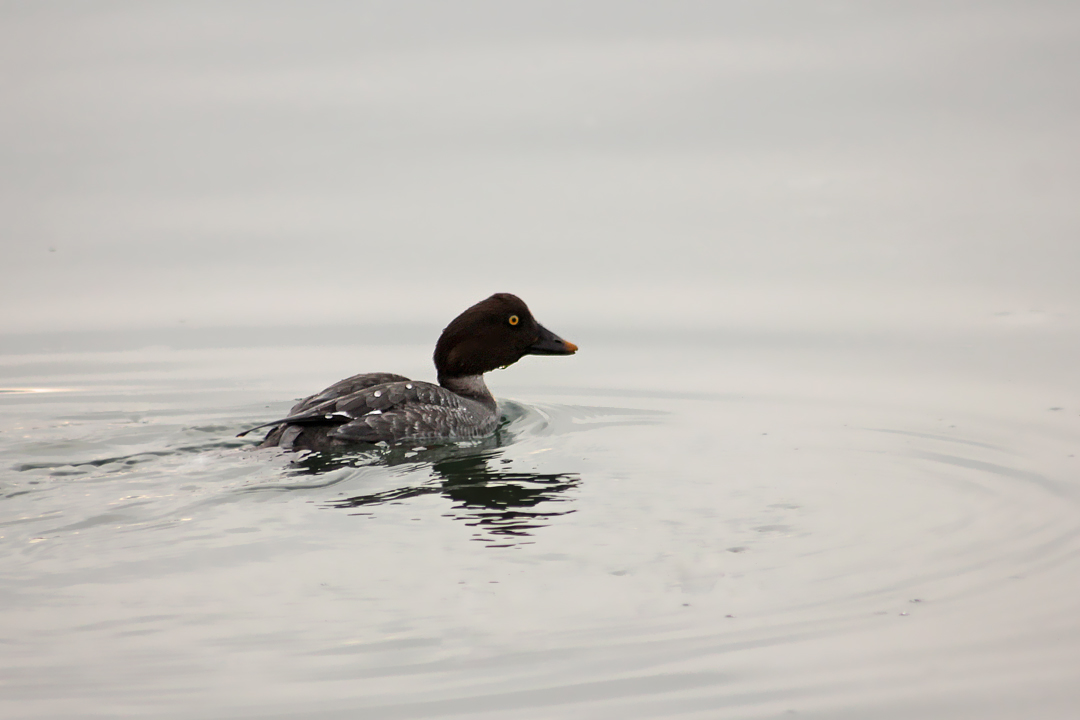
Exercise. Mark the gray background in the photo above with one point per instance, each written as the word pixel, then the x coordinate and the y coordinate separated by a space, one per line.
pixel 736 164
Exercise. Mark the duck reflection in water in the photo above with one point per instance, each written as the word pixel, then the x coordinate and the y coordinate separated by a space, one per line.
pixel 506 506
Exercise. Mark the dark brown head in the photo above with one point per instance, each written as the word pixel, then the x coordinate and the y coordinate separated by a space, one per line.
pixel 491 334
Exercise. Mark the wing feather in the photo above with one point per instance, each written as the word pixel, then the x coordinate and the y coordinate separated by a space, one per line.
pixel 393 411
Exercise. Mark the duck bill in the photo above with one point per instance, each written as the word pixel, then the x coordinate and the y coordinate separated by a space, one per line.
pixel 550 344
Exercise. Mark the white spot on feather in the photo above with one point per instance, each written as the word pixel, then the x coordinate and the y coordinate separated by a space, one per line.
pixel 408 386
pixel 375 412
pixel 377 393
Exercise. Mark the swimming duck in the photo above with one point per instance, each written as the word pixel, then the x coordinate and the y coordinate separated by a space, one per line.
pixel 384 407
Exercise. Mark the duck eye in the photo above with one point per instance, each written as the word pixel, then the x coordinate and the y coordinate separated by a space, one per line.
pixel 513 320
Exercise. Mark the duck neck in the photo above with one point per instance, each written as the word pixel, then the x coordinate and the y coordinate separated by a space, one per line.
pixel 470 386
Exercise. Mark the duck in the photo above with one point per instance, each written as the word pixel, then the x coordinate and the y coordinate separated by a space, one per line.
pixel 373 408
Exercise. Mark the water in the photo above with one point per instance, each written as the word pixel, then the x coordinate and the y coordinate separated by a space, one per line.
pixel 827 528
pixel 816 457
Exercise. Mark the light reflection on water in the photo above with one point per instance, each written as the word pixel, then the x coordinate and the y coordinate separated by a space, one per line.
pixel 639 551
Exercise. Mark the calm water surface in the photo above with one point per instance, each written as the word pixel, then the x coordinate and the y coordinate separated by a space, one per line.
pixel 665 525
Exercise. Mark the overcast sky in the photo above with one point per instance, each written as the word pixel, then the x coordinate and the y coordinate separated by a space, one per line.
pixel 747 164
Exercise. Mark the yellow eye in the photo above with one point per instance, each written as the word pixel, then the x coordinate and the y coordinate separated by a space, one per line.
pixel 513 320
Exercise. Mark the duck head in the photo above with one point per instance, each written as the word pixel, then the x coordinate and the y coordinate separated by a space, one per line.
pixel 494 333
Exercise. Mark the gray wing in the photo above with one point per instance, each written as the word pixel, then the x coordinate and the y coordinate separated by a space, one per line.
pixel 345 387
pixel 412 411
pixel 394 411
pixel 313 406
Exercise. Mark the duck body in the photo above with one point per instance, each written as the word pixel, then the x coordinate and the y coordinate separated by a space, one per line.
pixel 390 408
pixel 382 407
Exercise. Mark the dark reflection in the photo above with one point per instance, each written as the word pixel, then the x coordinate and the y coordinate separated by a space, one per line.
pixel 505 506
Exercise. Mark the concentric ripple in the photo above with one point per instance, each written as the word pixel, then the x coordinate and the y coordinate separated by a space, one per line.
pixel 609 552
